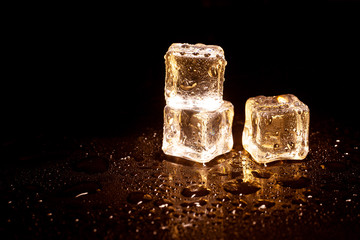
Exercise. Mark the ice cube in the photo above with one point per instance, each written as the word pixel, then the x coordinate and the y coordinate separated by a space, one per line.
pixel 198 135
pixel 276 128
pixel 194 76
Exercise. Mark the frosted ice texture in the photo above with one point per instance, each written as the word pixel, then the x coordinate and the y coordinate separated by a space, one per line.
pixel 276 128
pixel 198 135
pixel 194 76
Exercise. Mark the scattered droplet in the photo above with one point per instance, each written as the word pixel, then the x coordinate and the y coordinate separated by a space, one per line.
pixel 239 187
pixel 80 189
pixel 81 194
pixel 239 203
pixel 188 87
pixel 261 174
pixel 161 203
pixel 264 204
pixel 213 72
pixel 195 191
pixel 138 197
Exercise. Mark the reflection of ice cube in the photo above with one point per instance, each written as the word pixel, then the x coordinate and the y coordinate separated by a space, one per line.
pixel 276 128
pixel 194 74
pixel 198 135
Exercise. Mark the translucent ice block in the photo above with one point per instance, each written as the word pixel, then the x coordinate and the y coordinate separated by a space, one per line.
pixel 276 128
pixel 198 135
pixel 194 76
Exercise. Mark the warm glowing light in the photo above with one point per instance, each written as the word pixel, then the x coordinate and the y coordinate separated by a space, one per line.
pixel 207 103
pixel 282 99
pixel 274 130
pixel 197 122
pixel 194 75
pixel 198 134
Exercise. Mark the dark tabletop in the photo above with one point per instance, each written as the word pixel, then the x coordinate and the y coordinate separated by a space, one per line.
pixel 82 116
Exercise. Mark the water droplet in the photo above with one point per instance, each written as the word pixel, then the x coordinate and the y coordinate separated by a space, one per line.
pixel 187 204
pixel 138 197
pixel 80 189
pixel 261 174
pixel 263 204
pixel 201 202
pixel 237 186
pixel 81 194
pixel 188 87
pixel 161 203
pixel 213 71
pixel 268 121
pixel 290 145
pixel 239 203
pixel 195 191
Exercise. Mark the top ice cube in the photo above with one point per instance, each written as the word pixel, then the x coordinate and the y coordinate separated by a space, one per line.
pixel 194 76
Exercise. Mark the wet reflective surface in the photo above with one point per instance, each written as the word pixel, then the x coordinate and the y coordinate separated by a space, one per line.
pixel 126 188
pixel 82 116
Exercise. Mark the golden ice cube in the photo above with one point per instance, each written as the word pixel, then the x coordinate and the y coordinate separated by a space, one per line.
pixel 198 135
pixel 276 128
pixel 194 76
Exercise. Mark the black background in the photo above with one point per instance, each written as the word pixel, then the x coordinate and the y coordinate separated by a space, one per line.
pixel 82 98
pixel 91 69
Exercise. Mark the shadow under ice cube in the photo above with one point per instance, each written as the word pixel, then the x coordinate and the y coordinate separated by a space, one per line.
pixel 198 135
pixel 276 128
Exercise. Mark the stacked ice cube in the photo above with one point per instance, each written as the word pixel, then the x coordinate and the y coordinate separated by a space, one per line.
pixel 197 122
